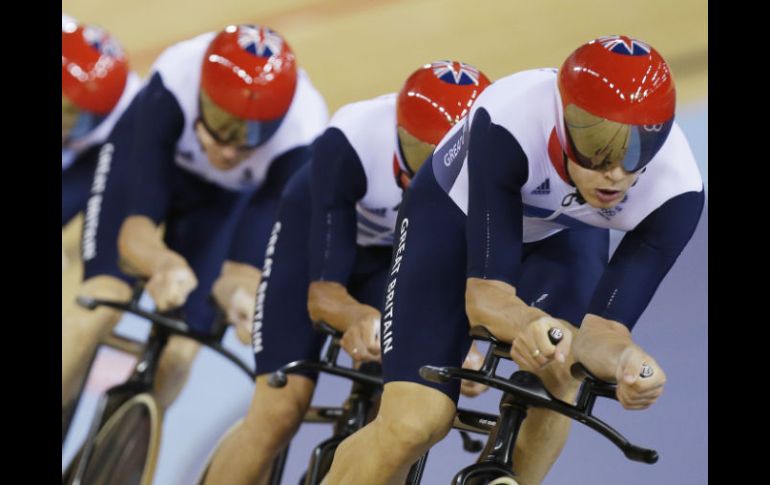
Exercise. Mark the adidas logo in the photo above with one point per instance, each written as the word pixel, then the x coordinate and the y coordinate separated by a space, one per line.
pixel 381 211
pixel 544 188
pixel 186 156
pixel 247 176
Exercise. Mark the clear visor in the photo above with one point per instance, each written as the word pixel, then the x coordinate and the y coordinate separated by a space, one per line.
pixel 600 144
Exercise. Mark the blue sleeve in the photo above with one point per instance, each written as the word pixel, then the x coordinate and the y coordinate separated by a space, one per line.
pixel 497 169
pixel 337 182
pixel 644 257
pixel 151 127
pixel 257 222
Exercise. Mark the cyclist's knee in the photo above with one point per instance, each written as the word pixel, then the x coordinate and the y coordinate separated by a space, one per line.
pixel 105 286
pixel 278 412
pixel 413 417
pixel 86 325
pixel 177 357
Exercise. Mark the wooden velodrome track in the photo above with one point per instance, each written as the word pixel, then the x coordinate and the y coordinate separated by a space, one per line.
pixel 356 49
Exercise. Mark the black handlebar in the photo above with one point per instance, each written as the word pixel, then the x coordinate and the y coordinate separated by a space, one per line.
pixel 328 363
pixel 172 324
pixel 529 390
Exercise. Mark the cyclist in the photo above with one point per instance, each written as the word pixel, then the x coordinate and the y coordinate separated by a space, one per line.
pixel 97 86
pixel 205 148
pixel 511 215
pixel 335 230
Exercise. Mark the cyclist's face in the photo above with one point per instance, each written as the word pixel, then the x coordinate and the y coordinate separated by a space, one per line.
pixel 223 136
pixel 221 156
pixel 602 189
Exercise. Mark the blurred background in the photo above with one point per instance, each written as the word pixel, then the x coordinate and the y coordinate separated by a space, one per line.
pixel 357 49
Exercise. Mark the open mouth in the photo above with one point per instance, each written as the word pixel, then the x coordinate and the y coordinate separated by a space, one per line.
pixel 607 195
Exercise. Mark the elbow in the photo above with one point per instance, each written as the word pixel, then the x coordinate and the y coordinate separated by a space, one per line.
pixel 132 230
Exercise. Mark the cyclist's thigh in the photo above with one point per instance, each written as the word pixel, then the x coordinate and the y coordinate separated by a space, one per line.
pixel 282 330
pixel 105 211
pixel 559 274
pixel 424 319
pixel 76 184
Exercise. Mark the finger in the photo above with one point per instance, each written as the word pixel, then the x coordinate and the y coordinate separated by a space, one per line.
pixel 360 352
pixel 635 407
pixel 563 348
pixel 649 393
pixel 524 361
pixel 376 329
pixel 630 400
pixel 630 403
pixel 640 402
pixel 535 355
pixel 632 367
pixel 470 389
pixel 641 386
pixel 372 342
pixel 538 332
pixel 473 360
pixel 373 349
pixel 475 388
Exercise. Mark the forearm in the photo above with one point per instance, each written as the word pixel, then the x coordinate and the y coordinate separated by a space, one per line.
pixel 330 302
pixel 494 305
pixel 141 247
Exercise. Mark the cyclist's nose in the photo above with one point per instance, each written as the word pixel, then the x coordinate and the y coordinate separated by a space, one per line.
pixel 229 154
pixel 615 174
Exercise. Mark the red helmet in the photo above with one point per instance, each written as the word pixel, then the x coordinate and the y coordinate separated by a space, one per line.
pixel 620 85
pixel 249 71
pixel 432 100
pixel 94 69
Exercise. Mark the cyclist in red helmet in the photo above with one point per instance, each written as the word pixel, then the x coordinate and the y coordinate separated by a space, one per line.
pixel 511 216
pixel 205 149
pixel 97 86
pixel 335 231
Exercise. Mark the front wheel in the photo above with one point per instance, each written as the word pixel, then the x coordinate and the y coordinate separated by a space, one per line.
pixel 487 480
pixel 125 449
pixel 484 474
pixel 504 481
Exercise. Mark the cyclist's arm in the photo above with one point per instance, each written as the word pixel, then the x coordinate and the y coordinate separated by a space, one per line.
pixel 338 181
pixel 497 169
pixel 641 261
pixel 157 122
